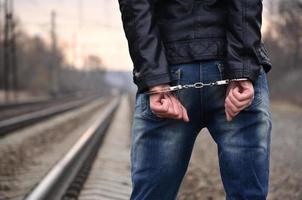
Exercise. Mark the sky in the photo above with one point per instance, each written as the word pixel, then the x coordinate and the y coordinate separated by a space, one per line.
pixel 84 27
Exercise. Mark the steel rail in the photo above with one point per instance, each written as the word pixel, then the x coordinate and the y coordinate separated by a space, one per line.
pixel 6 106
pixel 14 123
pixel 59 178
pixel 41 101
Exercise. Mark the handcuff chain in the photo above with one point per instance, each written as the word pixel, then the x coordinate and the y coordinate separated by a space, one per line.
pixel 196 85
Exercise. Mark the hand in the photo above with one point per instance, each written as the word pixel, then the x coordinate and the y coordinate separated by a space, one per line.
pixel 166 105
pixel 239 96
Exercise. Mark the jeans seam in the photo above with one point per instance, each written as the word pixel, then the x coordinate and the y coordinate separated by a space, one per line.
pixel 201 93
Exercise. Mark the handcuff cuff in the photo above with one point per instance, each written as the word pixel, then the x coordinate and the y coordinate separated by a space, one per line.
pixel 196 85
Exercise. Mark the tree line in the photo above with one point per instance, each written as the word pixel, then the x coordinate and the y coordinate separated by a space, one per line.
pixel 283 39
pixel 37 64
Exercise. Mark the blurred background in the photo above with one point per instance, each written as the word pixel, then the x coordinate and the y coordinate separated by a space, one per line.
pixel 58 49
pixel 50 48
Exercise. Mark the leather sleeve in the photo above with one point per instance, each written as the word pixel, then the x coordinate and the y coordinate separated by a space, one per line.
pixel 245 51
pixel 144 43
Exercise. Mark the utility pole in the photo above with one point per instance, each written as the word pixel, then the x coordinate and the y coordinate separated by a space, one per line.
pixel 1 48
pixel 6 59
pixel 10 58
pixel 14 67
pixel 54 58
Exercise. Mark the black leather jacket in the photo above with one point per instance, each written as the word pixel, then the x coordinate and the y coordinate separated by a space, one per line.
pixel 163 32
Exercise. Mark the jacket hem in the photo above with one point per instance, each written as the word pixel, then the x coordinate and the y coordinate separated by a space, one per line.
pixel 195 49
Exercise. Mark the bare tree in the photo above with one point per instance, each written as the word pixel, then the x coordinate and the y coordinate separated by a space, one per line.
pixel 283 39
pixel 290 29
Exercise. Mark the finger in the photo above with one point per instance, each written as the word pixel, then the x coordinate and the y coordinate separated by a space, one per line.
pixel 182 109
pixel 249 91
pixel 156 97
pixel 177 107
pixel 245 84
pixel 244 95
pixel 185 114
pixel 229 118
pixel 239 104
pixel 165 116
pixel 171 113
pixel 163 107
pixel 231 107
pixel 173 110
pixel 231 114
pixel 162 115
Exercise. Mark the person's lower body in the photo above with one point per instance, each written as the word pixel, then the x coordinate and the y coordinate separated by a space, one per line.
pixel 161 148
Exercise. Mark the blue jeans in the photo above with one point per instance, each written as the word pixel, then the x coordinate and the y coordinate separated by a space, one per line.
pixel 161 148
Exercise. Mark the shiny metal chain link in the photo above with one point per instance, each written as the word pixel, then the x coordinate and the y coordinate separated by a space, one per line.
pixel 196 85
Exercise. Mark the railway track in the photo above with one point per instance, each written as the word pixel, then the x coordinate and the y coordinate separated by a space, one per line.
pixel 29 154
pixel 65 180
pixel 12 109
pixel 34 112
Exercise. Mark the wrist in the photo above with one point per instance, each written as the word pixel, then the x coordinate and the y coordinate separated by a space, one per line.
pixel 159 86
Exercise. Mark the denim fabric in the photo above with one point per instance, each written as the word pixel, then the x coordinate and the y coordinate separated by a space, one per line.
pixel 161 148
